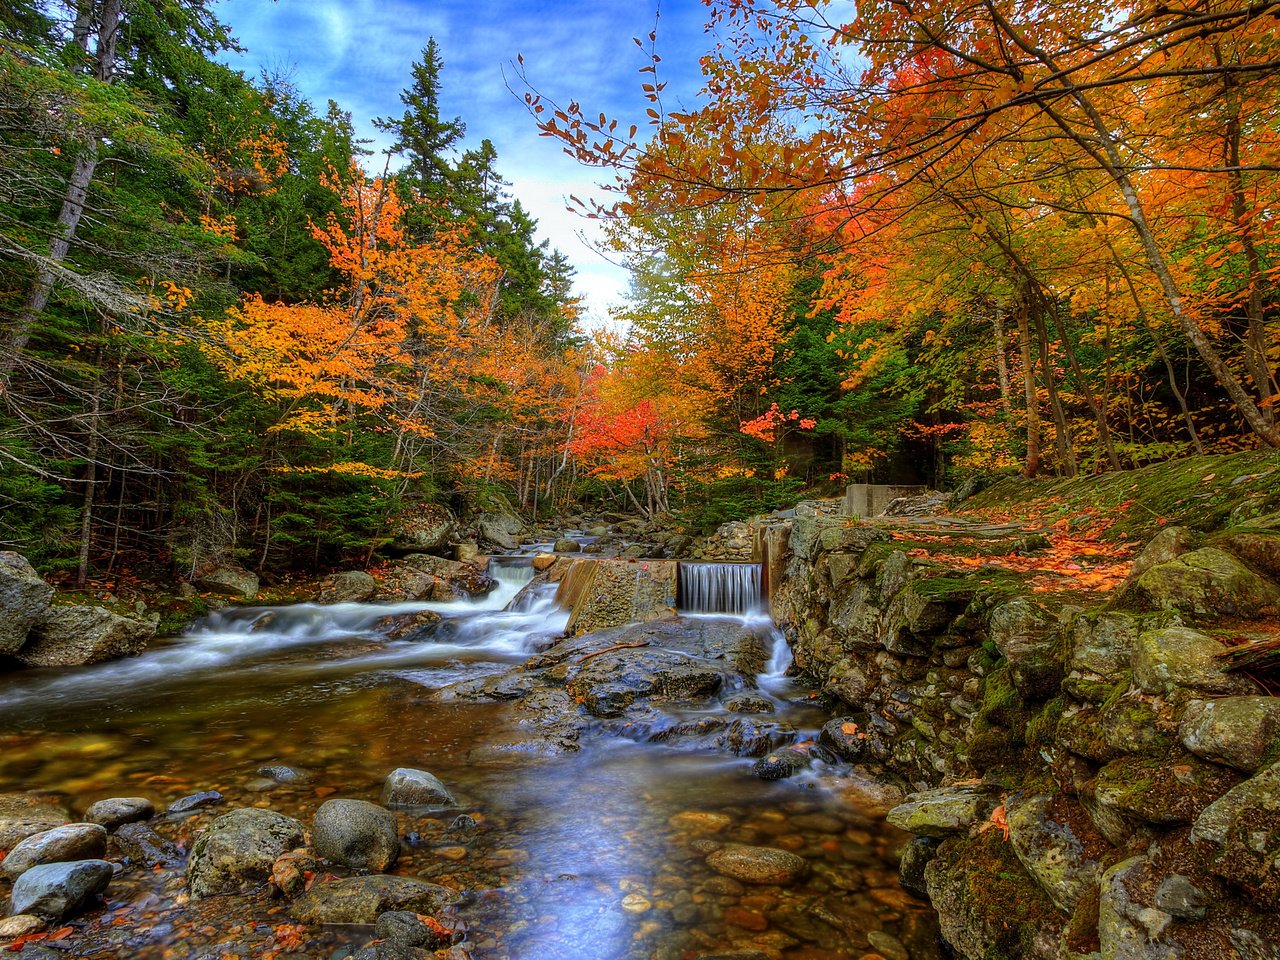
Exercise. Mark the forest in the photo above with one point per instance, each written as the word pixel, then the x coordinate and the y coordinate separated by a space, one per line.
pixel 925 243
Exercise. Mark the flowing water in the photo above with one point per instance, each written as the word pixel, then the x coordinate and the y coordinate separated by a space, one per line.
pixel 593 855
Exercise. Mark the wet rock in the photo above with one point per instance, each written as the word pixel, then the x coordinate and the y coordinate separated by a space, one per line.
pixel 406 787
pixel 612 593
pixel 229 580
pixel 364 899
pixel 915 858
pixel 285 774
pixel 762 865
pixel 236 851
pixel 115 812
pixel 887 945
pixel 195 801
pixel 700 821
pixel 688 682
pixel 945 811
pixel 289 873
pixel 1164 792
pixel 748 703
pixel 60 890
pixel 408 626
pixel 74 841
pixel 420 576
pixel 73 635
pixel 1240 731
pixel 500 529
pixel 1179 897
pixel 350 586
pixel 1057 845
pixel 544 561
pixel 566 545
pixel 1164 660
pixel 1207 582
pixel 463 823
pixel 24 600
pixel 404 933
pixel 23 814
pixel 844 737
pixel 139 843
pixel 22 925
pixel 357 834
pixel 1027 635
pixel 781 764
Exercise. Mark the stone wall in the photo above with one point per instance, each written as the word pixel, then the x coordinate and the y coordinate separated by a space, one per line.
pixel 1090 782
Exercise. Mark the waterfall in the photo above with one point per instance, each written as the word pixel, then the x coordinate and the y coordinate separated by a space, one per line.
pixel 719 587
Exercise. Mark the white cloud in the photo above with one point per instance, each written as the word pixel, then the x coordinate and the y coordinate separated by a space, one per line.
pixel 360 53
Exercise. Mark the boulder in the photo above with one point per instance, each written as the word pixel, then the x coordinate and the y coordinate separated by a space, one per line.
pixel 364 899
pixel 23 815
pixel 406 787
pixel 73 841
pixel 1129 929
pixel 1159 791
pixel 945 811
pixel 1239 731
pixel 611 593
pixel 1208 582
pixel 544 561
pixel 24 600
pixel 229 580
pixel 1165 547
pixel 115 812
pixel 139 843
pixel 235 852
pixel 356 834
pixel 1242 831
pixel 1058 846
pixel 403 932
pixel 425 526
pixel 566 545
pixel 195 801
pixel 69 636
pixel 423 577
pixel 350 586
pixel 500 529
pixel 1027 635
pixel 781 764
pixel 763 865
pixel 844 737
pixel 1164 660
pixel 60 890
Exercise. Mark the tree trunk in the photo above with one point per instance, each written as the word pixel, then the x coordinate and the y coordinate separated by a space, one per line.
pixel 1032 465
pixel 1002 359
pixel 77 190
pixel 1061 430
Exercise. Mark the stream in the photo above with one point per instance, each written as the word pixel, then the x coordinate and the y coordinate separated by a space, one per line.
pixel 594 854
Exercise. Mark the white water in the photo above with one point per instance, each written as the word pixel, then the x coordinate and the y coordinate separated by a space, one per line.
pixel 719 587
pixel 255 640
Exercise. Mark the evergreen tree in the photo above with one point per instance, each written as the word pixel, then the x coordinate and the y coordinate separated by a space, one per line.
pixel 421 134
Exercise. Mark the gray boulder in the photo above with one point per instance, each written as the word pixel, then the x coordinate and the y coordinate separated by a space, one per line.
pixel 70 636
pixel 59 890
pixel 364 899
pixel 235 852
pixel 1207 582
pixel 1240 731
pixel 1164 660
pixel 500 529
pixel 1027 635
pixel 406 787
pixel 357 834
pixel 24 600
pixel 74 841
pixel 1242 832
pixel 230 580
pixel 1057 845
pixel 567 545
pixel 425 526
pixel 943 812
pixel 350 586
pixel 115 812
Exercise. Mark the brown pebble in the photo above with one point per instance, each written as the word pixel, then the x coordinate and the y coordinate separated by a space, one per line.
pixel 452 853
pixel 746 919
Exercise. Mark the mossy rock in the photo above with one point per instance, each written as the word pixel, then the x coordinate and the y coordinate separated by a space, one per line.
pixel 1177 657
pixel 987 904
pixel 1163 792
pixel 1058 845
pixel 1206 582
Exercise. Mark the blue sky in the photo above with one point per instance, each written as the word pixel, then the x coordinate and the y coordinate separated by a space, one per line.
pixel 359 53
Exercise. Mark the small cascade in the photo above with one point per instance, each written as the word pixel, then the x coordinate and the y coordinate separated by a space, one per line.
pixel 732 588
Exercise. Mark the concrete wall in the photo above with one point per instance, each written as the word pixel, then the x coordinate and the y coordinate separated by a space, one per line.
pixel 870 499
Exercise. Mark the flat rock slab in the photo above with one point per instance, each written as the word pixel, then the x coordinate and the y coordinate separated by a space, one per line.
pixel 364 899
pixel 943 812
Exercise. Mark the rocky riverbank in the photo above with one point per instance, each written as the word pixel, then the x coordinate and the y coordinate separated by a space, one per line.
pixel 1092 778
